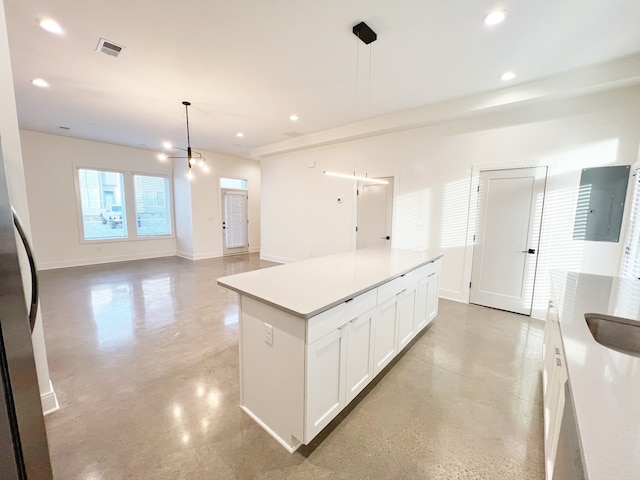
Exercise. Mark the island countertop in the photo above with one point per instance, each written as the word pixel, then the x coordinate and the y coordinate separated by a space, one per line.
pixel 309 287
pixel 605 384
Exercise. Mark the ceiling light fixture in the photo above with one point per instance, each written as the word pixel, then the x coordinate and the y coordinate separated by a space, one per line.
pixel 355 177
pixel 506 76
pixel 367 36
pixel 40 82
pixel 293 118
pixel 239 134
pixel 193 158
pixel 50 25
pixel 495 17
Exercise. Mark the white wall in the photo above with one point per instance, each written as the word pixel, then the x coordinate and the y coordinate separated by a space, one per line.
pixel 50 166
pixel 434 165
pixel 207 203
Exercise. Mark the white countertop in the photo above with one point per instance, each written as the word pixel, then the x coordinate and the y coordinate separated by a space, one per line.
pixel 605 384
pixel 308 287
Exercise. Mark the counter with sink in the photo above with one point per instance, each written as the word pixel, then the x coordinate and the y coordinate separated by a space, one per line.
pixel 601 368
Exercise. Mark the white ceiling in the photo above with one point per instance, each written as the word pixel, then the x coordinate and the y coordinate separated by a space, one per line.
pixel 247 65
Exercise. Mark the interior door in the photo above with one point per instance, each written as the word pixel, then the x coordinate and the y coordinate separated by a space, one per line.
pixel 235 231
pixel 505 252
pixel 375 214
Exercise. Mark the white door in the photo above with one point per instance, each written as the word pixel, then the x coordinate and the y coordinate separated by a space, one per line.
pixel 235 232
pixel 375 214
pixel 505 252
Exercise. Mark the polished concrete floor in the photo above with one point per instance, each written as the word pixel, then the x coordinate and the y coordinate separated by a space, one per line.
pixel 144 359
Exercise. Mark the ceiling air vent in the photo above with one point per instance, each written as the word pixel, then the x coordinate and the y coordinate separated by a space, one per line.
pixel 292 134
pixel 110 48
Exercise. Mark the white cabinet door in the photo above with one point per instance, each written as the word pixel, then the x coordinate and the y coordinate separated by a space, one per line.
pixel 384 341
pixel 432 295
pixel 359 369
pixel 325 381
pixel 420 318
pixel 405 310
pixel 554 378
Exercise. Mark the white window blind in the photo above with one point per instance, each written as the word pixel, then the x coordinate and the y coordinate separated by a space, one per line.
pixel 631 258
pixel 235 208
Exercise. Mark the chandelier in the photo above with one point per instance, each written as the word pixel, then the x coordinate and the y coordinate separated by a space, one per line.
pixel 193 158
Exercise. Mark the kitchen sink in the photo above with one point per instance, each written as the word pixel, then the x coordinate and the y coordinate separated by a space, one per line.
pixel 620 334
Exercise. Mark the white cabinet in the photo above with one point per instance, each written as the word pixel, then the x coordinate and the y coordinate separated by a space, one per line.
pixel 433 282
pixel 427 298
pixel 553 380
pixel 326 381
pixel 385 335
pixel 297 374
pixel 339 366
pixel 405 311
pixel 359 357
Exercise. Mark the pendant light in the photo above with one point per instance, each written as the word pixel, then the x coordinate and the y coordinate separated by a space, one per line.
pixel 193 158
pixel 367 36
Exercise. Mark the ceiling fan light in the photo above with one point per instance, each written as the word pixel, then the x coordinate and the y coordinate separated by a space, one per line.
pixel 162 157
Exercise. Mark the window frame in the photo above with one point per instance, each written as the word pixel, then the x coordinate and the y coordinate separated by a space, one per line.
pixel 169 200
pixel 128 195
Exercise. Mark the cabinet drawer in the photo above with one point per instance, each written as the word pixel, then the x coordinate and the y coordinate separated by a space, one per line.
pixel 329 320
pixel 414 276
pixel 391 289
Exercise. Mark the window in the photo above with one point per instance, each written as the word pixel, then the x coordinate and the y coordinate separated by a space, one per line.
pixel 631 258
pixel 153 214
pixel 102 204
pixel 105 215
pixel 234 183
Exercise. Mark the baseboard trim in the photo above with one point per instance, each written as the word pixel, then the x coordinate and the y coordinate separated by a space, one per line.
pixel 203 256
pixel 454 295
pixel 100 260
pixel 49 401
pixel 274 258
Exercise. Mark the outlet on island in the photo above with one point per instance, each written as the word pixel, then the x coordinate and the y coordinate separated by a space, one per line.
pixel 268 334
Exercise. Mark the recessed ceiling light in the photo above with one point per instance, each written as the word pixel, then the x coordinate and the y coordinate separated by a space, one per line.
pixel 293 118
pixel 506 76
pixel 167 145
pixel 495 17
pixel 50 25
pixel 40 82
pixel 239 134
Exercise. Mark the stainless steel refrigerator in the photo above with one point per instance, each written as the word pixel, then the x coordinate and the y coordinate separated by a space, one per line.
pixel 24 453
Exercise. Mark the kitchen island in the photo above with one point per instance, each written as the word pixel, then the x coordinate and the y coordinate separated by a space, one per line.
pixel 591 391
pixel 314 333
